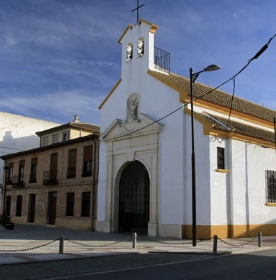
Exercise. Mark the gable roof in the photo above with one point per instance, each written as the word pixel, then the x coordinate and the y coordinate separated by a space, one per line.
pixel 238 127
pixel 217 97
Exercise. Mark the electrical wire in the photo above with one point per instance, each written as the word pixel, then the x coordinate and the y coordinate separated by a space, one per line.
pixel 208 92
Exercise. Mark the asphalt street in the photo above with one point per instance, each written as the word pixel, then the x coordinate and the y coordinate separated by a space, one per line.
pixel 255 265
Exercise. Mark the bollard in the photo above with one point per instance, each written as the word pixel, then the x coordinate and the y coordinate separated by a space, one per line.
pixel 134 240
pixel 61 245
pixel 215 244
pixel 259 239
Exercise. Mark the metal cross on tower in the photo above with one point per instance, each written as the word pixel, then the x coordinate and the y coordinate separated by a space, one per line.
pixel 137 9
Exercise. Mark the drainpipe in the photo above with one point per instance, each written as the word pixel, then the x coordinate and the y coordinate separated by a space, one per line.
pixel 94 160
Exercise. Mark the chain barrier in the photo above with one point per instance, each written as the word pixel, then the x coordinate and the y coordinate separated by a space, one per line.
pixel 173 243
pixel 237 245
pixel 28 249
pixel 100 245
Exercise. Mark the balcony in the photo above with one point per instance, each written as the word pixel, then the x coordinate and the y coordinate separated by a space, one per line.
pixel 71 172
pixel 32 178
pixel 161 60
pixel 50 177
pixel 86 171
pixel 18 182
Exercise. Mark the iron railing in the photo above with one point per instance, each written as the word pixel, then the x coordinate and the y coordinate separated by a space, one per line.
pixel 271 186
pixel 18 182
pixel 71 172
pixel 162 59
pixel 86 171
pixel 50 177
pixel 32 178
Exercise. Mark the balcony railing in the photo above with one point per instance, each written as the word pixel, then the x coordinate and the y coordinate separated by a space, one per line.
pixel 86 171
pixel 162 60
pixel 50 177
pixel 9 181
pixel 71 172
pixel 32 178
pixel 18 182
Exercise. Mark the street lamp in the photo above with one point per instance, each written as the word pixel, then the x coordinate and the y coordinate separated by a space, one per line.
pixel 193 77
pixel 6 168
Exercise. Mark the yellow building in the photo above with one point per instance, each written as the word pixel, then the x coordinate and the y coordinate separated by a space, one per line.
pixel 56 183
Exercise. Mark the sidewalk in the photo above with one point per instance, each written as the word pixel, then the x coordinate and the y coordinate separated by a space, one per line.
pixel 31 243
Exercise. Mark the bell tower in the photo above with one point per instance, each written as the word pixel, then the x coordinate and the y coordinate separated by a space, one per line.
pixel 137 43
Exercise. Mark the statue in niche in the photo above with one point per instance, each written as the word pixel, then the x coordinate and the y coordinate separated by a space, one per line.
pixel 129 52
pixel 132 107
pixel 140 47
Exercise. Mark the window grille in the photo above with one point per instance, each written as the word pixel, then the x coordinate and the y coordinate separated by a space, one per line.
pixel 220 158
pixel 270 186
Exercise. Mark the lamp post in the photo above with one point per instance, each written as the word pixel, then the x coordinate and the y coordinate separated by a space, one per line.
pixel 193 77
pixel 6 168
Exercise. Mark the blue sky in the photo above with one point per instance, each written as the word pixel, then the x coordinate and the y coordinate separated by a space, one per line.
pixel 61 57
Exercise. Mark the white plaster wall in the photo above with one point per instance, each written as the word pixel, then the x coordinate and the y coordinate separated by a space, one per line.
pixel 17 133
pixel 156 100
pixel 202 160
pixel 239 197
pixel 249 191
pixel 218 184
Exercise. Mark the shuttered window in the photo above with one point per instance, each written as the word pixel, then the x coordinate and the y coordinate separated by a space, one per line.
pixel 85 204
pixel 72 162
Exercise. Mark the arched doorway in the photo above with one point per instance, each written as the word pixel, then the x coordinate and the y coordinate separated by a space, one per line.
pixel 134 198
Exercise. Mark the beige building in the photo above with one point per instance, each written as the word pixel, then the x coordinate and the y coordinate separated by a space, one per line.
pixel 56 183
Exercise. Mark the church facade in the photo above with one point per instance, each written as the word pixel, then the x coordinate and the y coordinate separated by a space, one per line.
pixel 145 181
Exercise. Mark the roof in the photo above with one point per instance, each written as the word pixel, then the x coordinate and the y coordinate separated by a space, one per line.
pixel 52 146
pixel 79 125
pixel 221 124
pixel 152 29
pixel 217 97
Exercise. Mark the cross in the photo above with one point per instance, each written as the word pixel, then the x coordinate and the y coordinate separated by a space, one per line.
pixel 137 8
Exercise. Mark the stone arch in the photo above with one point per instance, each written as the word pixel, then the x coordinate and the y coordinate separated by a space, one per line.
pixel 123 168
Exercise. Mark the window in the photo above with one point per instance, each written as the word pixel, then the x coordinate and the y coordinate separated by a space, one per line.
pixel 220 158
pixel 70 198
pixel 270 186
pixel 10 174
pixel 72 162
pixel 85 204
pixel 65 136
pixel 33 170
pixel 8 205
pixel 21 172
pixel 45 141
pixel 18 206
pixel 87 161
pixel 54 138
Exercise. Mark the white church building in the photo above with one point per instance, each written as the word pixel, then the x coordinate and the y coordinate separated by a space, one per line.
pixel 145 179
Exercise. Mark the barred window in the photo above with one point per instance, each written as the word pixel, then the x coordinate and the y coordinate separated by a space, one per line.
pixel 70 204
pixel 270 186
pixel 220 158
pixel 18 206
pixel 85 204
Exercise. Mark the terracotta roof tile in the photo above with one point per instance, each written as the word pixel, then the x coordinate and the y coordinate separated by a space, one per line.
pixel 240 128
pixel 220 97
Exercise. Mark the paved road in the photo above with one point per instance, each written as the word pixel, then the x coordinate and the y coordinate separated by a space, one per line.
pixel 257 265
